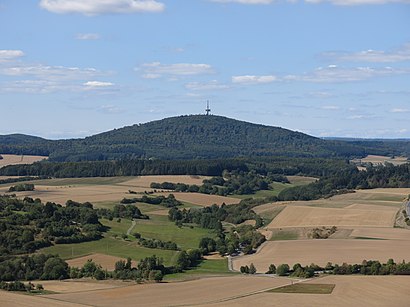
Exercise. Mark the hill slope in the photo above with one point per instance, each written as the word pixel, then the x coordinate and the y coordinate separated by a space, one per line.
pixel 186 137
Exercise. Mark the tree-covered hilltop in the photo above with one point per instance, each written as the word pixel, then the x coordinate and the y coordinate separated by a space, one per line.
pixel 196 137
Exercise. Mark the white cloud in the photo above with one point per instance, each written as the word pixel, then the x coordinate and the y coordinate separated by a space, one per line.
pixel 157 70
pixel 9 55
pixel 402 54
pixel 97 7
pixel 36 86
pixel 357 2
pixel 49 72
pixel 356 117
pixel 333 73
pixel 208 86
pixel 88 36
pixel 39 78
pixel 330 107
pixel 111 109
pixel 335 2
pixel 244 1
pixel 251 79
pixel 90 85
pixel 399 110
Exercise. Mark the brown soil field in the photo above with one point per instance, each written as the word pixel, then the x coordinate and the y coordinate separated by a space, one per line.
pixel 304 216
pixel 321 252
pixel 203 199
pixel 206 290
pixel 107 262
pixel 15 159
pixel 357 291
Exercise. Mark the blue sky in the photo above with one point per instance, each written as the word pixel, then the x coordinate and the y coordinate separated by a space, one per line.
pixel 72 68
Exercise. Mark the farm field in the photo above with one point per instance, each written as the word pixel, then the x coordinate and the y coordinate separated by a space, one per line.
pixel 358 291
pixel 380 160
pixel 226 291
pixel 113 189
pixel 304 216
pixel 365 230
pixel 202 199
pixel 107 262
pixel 16 159
pixel 321 252
pixel 157 227
pixel 205 290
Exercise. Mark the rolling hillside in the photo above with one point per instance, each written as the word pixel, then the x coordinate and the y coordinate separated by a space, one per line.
pixel 190 137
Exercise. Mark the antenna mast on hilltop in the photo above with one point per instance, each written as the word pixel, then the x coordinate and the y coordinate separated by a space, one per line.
pixel 207 110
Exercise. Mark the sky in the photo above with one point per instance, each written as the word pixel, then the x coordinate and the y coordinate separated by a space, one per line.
pixel 328 68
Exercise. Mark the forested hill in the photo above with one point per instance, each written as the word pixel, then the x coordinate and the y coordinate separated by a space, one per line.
pixel 188 137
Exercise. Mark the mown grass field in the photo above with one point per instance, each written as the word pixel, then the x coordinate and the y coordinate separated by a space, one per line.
pixel 279 235
pixel 206 267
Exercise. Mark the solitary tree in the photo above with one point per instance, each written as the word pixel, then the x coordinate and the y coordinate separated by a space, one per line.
pixel 252 269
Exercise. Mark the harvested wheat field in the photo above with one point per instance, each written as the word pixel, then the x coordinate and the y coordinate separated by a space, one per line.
pixel 145 181
pixel 381 233
pixel 206 290
pixel 12 299
pixel 357 291
pixel 107 262
pixel 388 197
pixel 304 216
pixel 78 285
pixel 15 159
pixel 203 199
pixel 113 189
pixel 321 252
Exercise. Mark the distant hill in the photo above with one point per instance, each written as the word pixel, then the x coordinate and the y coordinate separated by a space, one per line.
pixel 190 137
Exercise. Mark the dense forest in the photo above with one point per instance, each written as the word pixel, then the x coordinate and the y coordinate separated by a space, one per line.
pixel 388 176
pixel 196 137
pixel 262 165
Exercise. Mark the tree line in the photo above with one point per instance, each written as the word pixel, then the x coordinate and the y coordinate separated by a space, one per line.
pixel 345 181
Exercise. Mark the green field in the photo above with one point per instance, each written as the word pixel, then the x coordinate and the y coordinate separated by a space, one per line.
pixel 284 235
pixel 305 288
pixel 109 246
pixel 157 227
pixel 268 216
pixel 206 267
